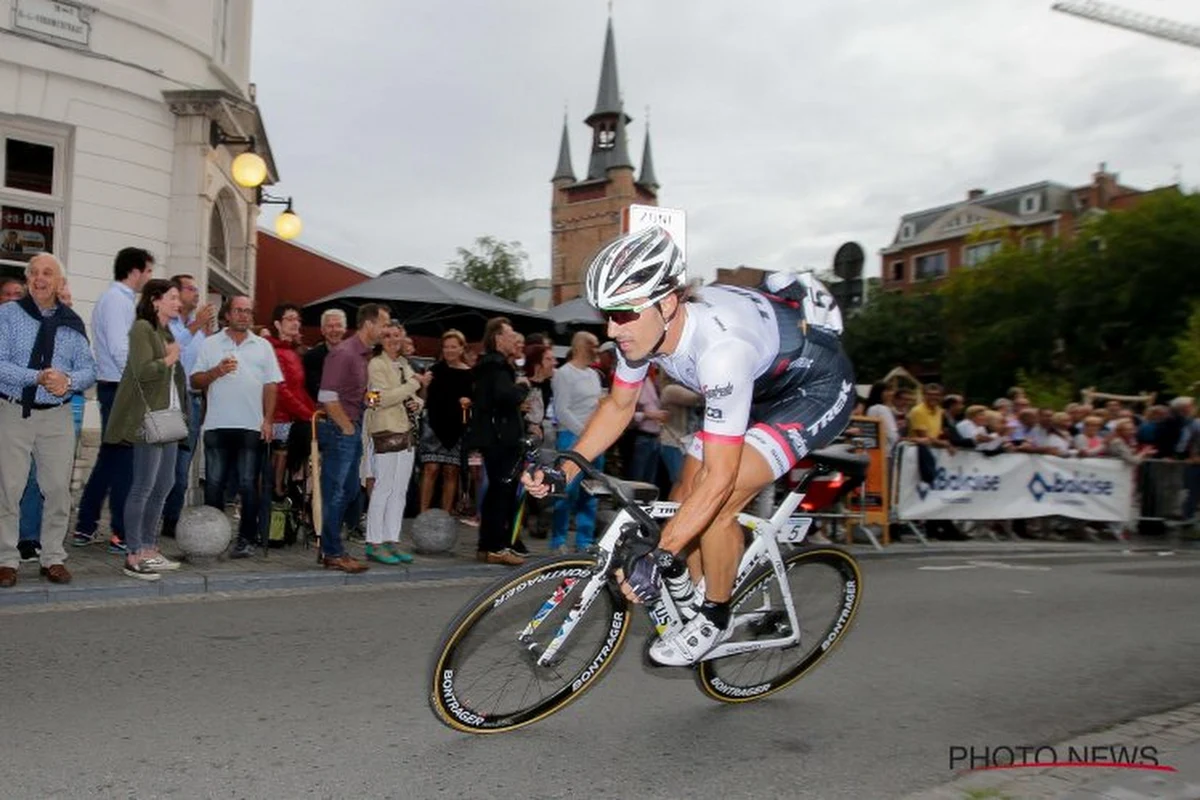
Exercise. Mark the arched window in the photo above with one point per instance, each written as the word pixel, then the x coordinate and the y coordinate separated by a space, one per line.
pixel 217 249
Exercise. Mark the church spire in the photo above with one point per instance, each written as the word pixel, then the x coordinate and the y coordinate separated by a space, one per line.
pixel 647 178
pixel 564 170
pixel 608 120
pixel 608 96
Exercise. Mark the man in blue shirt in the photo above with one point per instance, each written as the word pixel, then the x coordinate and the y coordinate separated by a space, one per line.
pixel 111 320
pixel 44 358
pixel 30 544
pixel 189 332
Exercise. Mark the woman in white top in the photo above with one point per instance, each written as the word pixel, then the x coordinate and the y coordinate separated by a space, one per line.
pixel 974 426
pixel 1058 436
pixel 879 403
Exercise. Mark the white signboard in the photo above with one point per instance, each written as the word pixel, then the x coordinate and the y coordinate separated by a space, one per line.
pixel 638 218
pixel 57 20
pixel 972 486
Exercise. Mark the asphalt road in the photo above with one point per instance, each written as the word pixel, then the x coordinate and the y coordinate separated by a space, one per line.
pixel 323 694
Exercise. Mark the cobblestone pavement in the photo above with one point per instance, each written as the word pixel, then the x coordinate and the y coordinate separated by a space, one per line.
pixel 1171 739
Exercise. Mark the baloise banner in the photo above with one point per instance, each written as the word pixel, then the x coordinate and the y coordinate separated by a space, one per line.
pixel 969 486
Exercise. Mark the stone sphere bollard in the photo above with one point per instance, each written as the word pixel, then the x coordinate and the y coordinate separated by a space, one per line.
pixel 203 532
pixel 434 531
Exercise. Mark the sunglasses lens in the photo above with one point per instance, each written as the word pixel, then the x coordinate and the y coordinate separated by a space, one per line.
pixel 622 317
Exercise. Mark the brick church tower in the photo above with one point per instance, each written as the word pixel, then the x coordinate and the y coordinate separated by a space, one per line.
pixel 585 214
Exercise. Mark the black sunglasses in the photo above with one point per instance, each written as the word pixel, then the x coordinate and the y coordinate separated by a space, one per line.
pixel 621 316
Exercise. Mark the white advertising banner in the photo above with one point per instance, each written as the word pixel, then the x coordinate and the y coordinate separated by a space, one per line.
pixel 971 486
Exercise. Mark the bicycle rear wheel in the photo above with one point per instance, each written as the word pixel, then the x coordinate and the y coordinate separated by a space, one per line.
pixel 485 676
pixel 825 585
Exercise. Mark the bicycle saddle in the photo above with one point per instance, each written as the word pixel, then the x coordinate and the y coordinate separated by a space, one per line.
pixel 843 459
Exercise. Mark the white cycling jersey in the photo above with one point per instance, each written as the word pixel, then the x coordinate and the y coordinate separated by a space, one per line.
pixel 730 338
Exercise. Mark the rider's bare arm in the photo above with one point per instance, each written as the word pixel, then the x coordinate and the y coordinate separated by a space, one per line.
pixel 609 420
pixel 714 484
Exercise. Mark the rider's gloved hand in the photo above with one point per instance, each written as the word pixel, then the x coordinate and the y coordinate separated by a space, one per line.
pixel 541 481
pixel 644 573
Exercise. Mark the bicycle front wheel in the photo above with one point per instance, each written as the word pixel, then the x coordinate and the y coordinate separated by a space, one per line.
pixel 486 677
pixel 825 586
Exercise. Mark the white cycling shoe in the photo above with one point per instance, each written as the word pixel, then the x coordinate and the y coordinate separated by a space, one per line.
pixel 689 644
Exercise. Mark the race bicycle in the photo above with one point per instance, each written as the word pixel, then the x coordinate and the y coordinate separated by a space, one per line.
pixel 536 639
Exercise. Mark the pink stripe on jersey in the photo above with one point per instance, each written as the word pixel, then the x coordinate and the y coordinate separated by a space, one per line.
pixel 621 382
pixel 721 438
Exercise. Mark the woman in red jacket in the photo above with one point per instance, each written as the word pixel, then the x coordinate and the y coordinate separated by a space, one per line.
pixel 292 403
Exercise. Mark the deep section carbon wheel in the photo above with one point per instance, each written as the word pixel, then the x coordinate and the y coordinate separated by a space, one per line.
pixel 486 677
pixel 826 587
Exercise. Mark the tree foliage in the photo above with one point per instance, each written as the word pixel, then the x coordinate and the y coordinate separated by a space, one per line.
pixel 1106 309
pixel 895 330
pixel 492 266
pixel 1182 373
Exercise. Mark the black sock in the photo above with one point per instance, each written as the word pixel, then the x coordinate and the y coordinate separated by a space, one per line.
pixel 717 613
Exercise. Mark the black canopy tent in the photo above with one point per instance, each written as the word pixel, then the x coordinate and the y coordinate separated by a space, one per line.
pixel 429 305
pixel 574 315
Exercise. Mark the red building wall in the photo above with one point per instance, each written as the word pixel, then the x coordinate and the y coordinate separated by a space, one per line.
pixel 292 273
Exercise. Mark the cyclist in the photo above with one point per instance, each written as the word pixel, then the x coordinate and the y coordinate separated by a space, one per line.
pixel 776 384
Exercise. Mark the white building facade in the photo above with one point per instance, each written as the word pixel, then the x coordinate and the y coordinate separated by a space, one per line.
pixel 106 120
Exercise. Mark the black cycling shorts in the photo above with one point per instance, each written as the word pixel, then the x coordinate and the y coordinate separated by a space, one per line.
pixel 805 401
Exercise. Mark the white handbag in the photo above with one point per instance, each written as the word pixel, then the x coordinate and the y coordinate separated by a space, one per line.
pixel 166 425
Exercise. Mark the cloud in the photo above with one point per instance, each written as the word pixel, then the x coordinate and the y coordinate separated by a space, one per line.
pixel 406 130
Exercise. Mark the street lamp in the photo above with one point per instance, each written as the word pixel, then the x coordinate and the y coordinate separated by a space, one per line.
pixel 287 224
pixel 248 169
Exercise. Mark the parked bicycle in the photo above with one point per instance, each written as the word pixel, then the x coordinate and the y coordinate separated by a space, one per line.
pixel 536 639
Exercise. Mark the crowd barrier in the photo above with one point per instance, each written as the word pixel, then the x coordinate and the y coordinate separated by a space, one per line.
pixel 1163 486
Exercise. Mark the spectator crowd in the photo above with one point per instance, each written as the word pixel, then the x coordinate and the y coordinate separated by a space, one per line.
pixel 1012 424
pixel 174 377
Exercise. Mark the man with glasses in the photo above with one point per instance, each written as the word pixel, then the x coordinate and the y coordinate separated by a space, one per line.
pixel 776 386
pixel 238 371
pixel 190 330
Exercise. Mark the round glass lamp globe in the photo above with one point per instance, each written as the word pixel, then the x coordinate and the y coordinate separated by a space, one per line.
pixel 288 225
pixel 249 170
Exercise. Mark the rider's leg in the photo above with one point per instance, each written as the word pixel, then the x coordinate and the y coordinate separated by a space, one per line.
pixel 722 544
pixel 680 492
pixel 720 551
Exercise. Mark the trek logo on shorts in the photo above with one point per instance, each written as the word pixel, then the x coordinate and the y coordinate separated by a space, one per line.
pixel 838 406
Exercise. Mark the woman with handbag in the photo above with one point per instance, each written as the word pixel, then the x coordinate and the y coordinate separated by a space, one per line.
pixel 392 405
pixel 147 415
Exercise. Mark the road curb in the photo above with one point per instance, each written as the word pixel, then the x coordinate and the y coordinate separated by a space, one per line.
pixel 201 583
pixel 181 585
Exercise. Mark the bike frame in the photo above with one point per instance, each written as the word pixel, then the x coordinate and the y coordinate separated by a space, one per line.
pixel 763 547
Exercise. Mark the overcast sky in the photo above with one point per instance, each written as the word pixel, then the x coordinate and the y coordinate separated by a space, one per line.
pixel 404 130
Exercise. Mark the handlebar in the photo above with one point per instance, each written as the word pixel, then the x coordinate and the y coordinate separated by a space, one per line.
pixel 538 458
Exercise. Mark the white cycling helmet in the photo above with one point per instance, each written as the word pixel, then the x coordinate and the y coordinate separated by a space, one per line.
pixel 635 270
